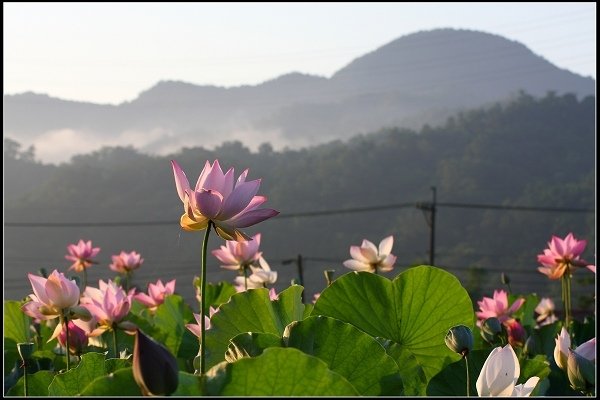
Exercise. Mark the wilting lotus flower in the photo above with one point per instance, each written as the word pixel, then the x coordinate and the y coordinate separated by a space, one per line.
pixel 369 258
pixel 156 294
pixel 497 307
pixel 561 256
pixel 195 328
pixel 109 305
pixel 238 256
pixel 499 375
pixel 81 254
pixel 217 198
pixel 124 263
pixel 545 311
pixel 155 369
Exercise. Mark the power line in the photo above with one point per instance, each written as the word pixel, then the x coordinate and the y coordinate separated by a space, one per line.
pixel 306 214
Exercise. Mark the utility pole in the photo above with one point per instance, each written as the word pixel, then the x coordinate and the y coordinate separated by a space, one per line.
pixel 429 210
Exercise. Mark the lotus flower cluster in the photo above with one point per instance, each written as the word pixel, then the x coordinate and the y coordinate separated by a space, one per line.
pixel 367 257
pixel 156 294
pixel 499 375
pixel 216 197
pixel 81 254
pixel 561 256
pixel 124 263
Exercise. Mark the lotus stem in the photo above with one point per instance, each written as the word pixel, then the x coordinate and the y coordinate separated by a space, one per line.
pixel 115 346
pixel 566 294
pixel 468 380
pixel 84 283
pixel 203 300
pixel 66 321
pixel 25 377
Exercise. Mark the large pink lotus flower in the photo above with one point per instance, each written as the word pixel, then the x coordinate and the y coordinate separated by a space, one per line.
pixel 229 205
pixel 238 256
pixel 369 258
pixel 81 254
pixel 561 256
pixel 109 305
pixel 497 307
pixel 156 294
pixel 124 263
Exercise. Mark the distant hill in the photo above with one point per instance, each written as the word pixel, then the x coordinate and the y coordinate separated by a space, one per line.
pixel 419 78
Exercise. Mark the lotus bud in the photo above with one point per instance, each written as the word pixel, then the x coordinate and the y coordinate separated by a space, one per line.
pixel 490 329
pixel 459 339
pixel 580 372
pixel 561 349
pixel 154 367
pixel 329 276
pixel 516 333
pixel 25 350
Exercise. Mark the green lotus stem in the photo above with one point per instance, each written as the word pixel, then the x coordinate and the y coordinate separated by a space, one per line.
pixel 245 277
pixel 203 300
pixel 84 283
pixel 127 275
pixel 114 335
pixel 566 294
pixel 468 380
pixel 25 378
pixel 66 321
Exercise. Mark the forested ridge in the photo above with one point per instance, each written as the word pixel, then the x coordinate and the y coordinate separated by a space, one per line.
pixel 535 152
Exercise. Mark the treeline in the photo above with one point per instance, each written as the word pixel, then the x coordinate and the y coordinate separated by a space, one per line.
pixel 537 152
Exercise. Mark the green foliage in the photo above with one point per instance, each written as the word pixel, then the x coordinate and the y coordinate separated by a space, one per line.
pixel 37 384
pixel 120 383
pixel 217 294
pixel 251 311
pixel 348 351
pixel 16 323
pixel 452 380
pixel 277 372
pixel 412 314
pixel 251 344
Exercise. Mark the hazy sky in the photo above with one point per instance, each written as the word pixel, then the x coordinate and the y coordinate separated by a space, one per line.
pixel 110 52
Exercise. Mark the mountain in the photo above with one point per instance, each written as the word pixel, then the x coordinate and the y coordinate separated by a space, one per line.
pixel 419 78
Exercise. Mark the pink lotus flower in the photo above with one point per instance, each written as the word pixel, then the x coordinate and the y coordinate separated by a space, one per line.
pixel 51 296
pixel 109 305
pixel 195 328
pixel 497 307
pixel 369 258
pixel 124 263
pixel 591 267
pixel 260 277
pixel 54 297
pixel 81 254
pixel 561 256
pixel 545 311
pixel 316 297
pixel 239 255
pixel 217 198
pixel 78 338
pixel 156 294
